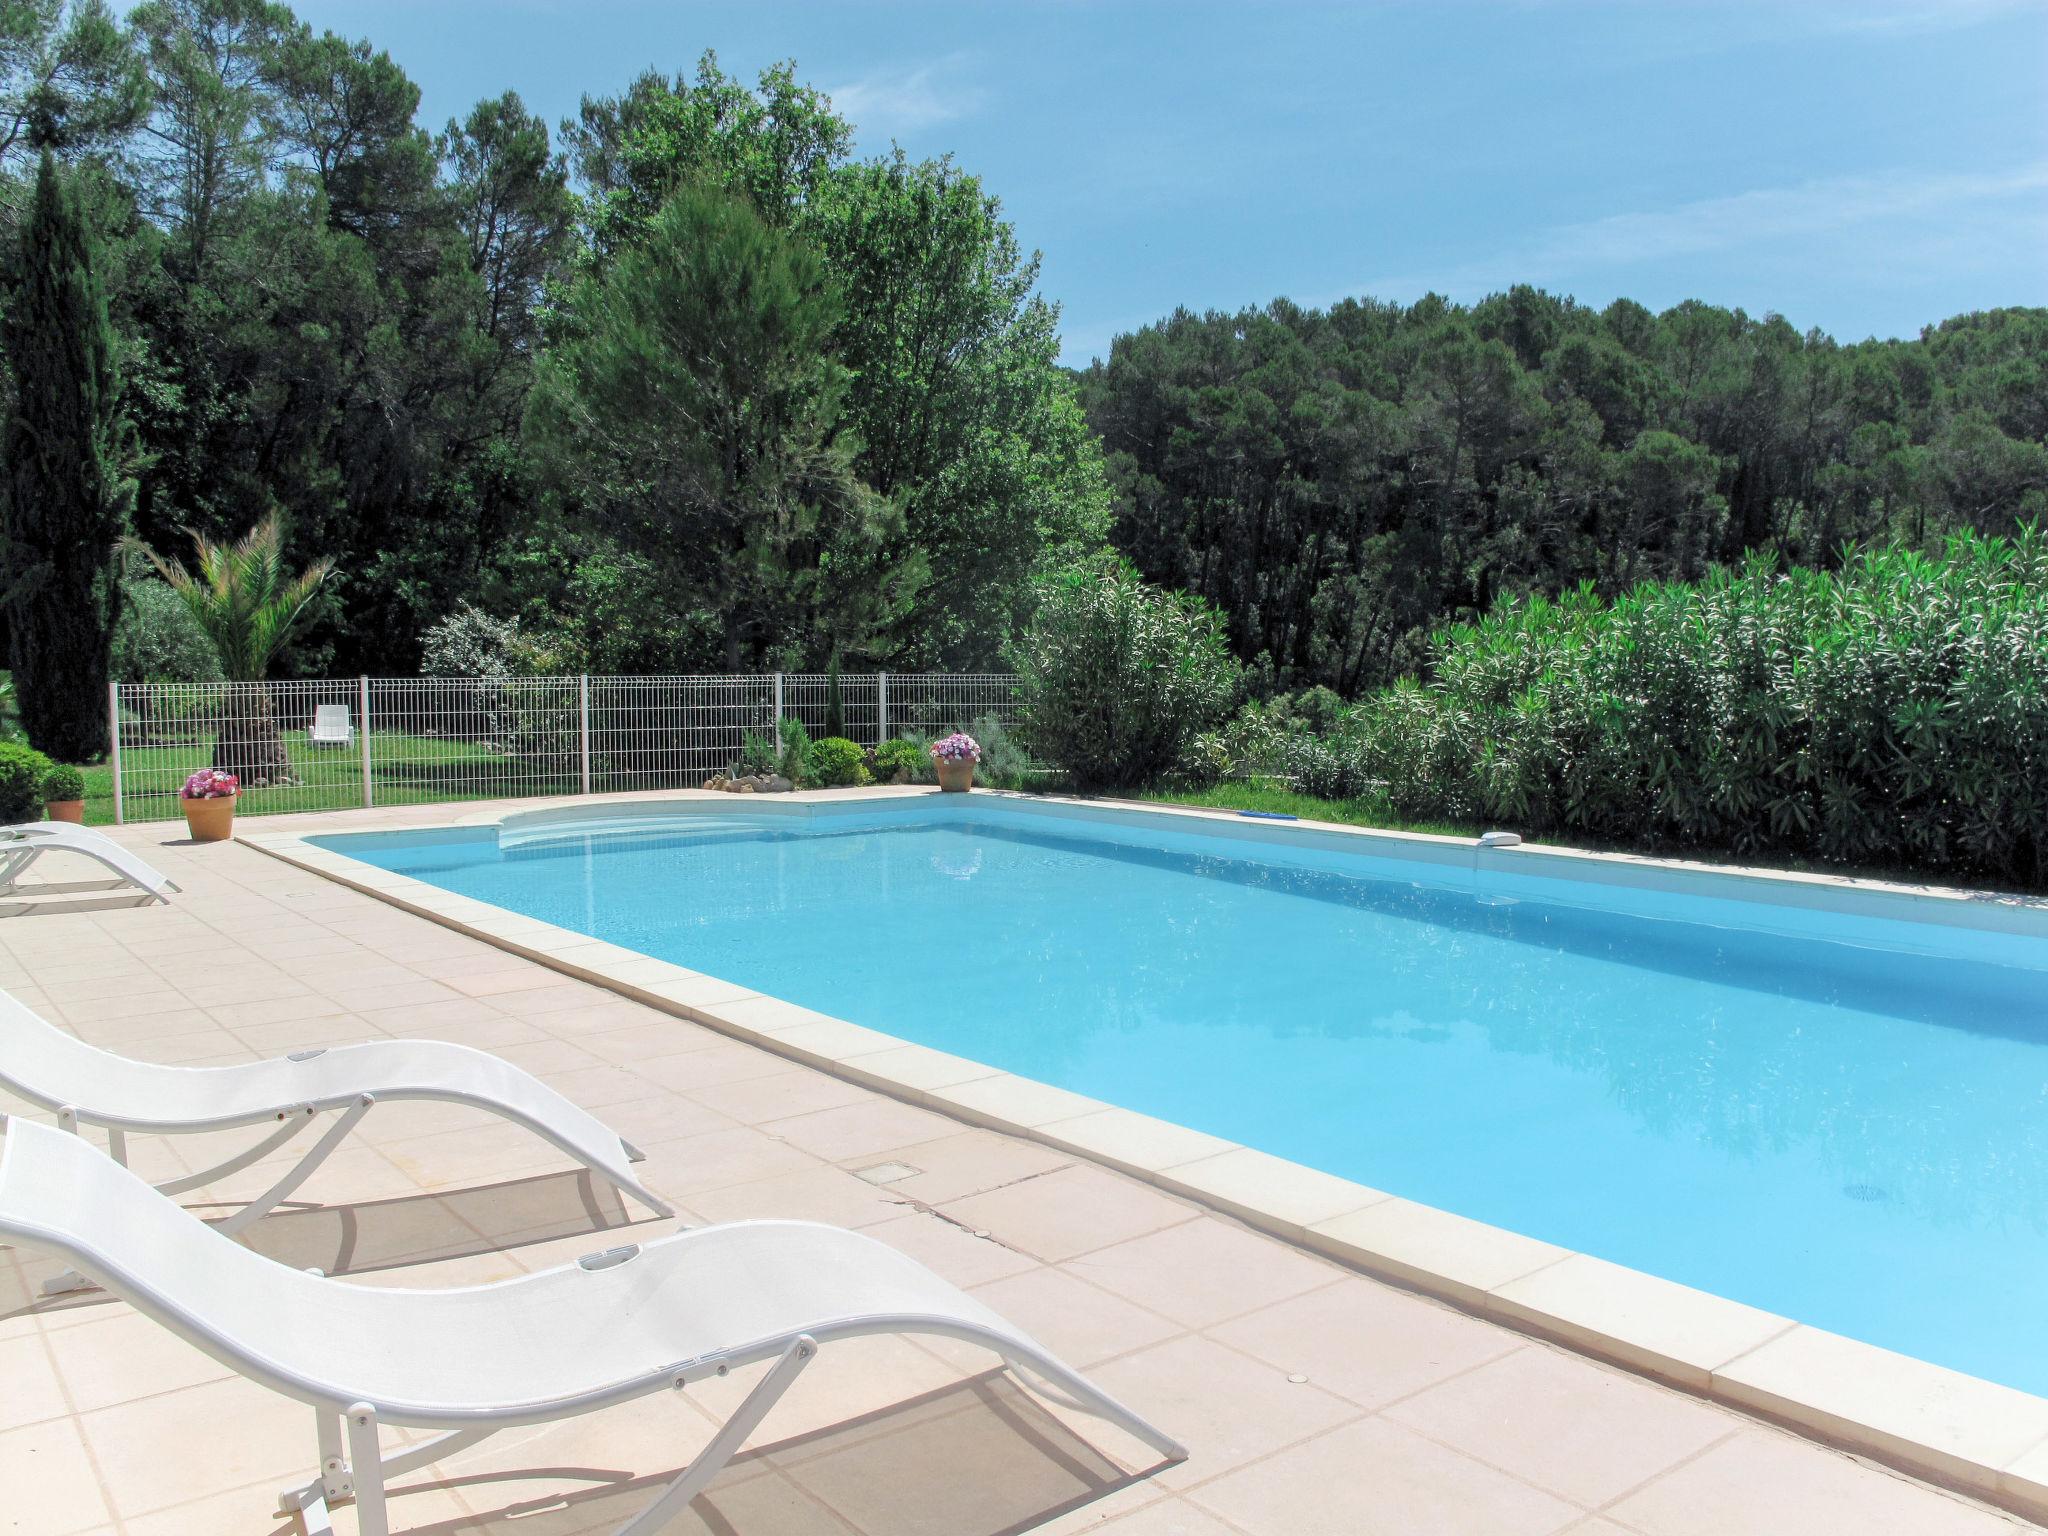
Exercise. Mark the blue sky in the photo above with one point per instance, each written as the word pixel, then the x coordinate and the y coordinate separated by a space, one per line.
pixel 1866 168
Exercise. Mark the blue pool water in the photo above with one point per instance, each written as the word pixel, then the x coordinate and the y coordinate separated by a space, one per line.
pixel 1821 1122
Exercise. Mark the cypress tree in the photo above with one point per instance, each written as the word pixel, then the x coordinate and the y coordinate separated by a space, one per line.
pixel 69 498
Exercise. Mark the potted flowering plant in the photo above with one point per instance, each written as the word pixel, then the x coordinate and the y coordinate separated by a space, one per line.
pixel 208 800
pixel 955 758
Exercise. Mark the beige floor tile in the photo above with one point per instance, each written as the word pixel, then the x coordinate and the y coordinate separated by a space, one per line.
pixel 870 1126
pixel 47 1483
pixel 1581 1430
pixel 821 1193
pixel 1167 1517
pixel 514 978
pixel 796 1091
pixel 124 1355
pixel 1367 1342
pixel 1072 1318
pixel 1760 1483
pixel 714 1159
pixel 181 1446
pixel 641 1040
pixel 959 1255
pixel 720 1061
pixel 970 1162
pixel 1203 1271
pixel 481 1155
pixel 1373 1478
pixel 1226 1409
pixel 1072 1210
pixel 657 1117
pixel 29 1392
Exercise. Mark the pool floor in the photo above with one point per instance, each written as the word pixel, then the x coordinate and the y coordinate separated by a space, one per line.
pixel 1824 1128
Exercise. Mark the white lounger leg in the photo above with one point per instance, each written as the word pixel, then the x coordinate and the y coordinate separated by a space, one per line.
pixel 315 1155
pixel 295 1121
pixel 366 1466
pixel 731 1436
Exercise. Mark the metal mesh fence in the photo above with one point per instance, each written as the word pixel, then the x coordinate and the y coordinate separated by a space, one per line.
pixel 332 744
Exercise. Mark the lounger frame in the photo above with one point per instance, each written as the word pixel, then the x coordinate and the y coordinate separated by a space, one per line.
pixel 84 1227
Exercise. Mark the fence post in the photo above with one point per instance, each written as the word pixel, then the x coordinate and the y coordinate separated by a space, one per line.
pixel 776 729
pixel 363 709
pixel 881 707
pixel 583 727
pixel 114 748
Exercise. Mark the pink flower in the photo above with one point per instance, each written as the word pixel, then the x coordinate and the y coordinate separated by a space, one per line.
pixel 957 748
pixel 211 784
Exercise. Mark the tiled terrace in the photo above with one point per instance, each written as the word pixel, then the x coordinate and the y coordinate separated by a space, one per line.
pixel 1315 1400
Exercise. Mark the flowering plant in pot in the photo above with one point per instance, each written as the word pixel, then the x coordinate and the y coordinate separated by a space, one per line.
pixel 208 801
pixel 955 757
pixel 64 794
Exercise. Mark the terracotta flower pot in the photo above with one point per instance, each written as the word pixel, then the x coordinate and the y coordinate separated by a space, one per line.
pixel 65 810
pixel 210 821
pixel 956 776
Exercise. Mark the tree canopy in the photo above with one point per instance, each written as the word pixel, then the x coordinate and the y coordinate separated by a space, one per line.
pixel 684 383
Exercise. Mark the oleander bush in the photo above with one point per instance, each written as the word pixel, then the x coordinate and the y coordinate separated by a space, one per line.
pixel 839 763
pixel 1891 712
pixel 23 771
pixel 1116 677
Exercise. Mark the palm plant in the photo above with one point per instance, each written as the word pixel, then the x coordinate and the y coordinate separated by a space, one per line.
pixel 248 603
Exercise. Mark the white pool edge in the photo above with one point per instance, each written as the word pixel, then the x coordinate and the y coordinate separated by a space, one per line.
pixel 1959 1430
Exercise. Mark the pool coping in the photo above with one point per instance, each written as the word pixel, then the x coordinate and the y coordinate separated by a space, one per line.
pixel 1941 1424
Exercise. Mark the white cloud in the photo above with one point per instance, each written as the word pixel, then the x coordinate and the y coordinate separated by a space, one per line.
pixel 1903 202
pixel 891 102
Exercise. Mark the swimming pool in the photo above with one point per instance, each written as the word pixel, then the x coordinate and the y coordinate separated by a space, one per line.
pixel 1838 1117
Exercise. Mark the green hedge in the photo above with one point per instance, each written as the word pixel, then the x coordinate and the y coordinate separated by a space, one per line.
pixel 1893 712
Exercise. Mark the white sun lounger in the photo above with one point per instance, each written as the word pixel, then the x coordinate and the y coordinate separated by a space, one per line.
pixel 55 1070
pixel 21 846
pixel 608 1328
pixel 331 726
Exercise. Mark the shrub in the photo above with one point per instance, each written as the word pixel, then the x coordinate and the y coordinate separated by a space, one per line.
pixel 758 755
pixel 797 761
pixel 1894 711
pixel 22 772
pixel 63 782
pixel 898 761
pixel 839 763
pixel 1116 677
pixel 1004 762
pixel 158 641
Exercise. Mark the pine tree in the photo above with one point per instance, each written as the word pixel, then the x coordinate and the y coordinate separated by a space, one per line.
pixel 68 448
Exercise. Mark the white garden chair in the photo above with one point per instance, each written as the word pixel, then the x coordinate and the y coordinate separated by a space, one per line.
pixel 55 1070
pixel 473 1360
pixel 331 726
pixel 22 846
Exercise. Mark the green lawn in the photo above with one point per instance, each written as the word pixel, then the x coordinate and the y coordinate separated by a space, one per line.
pixel 405 770
pixel 1252 796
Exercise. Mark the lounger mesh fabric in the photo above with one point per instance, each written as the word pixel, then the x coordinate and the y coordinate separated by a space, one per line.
pixel 472 1360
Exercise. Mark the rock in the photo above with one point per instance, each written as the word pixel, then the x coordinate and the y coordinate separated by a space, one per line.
pixel 746 787
pixel 776 784
pixel 716 781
